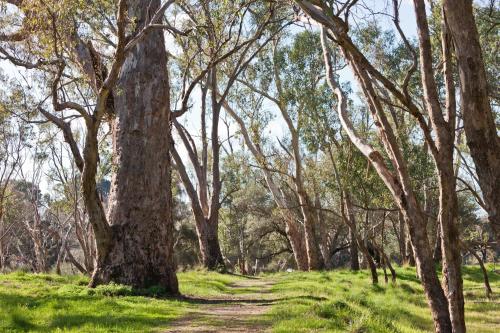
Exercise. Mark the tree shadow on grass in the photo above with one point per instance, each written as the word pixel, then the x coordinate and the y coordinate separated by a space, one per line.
pixel 249 277
pixel 270 301
pixel 20 313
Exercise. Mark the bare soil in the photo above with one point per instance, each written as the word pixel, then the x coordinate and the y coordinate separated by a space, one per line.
pixel 243 312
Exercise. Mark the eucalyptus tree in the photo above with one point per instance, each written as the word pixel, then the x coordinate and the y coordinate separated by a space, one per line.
pixel 477 113
pixel 438 131
pixel 228 37
pixel 12 145
pixel 254 142
pixel 253 234
pixel 287 77
pixel 103 66
pixel 68 210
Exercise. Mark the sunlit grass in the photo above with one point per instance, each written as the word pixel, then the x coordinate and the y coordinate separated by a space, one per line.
pixel 338 301
pixel 203 283
pixel 345 301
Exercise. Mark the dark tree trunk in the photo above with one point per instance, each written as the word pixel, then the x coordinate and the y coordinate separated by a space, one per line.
pixel 353 251
pixel 140 249
pixel 402 238
pixel 409 256
pixel 209 245
pixel 437 254
pixel 487 287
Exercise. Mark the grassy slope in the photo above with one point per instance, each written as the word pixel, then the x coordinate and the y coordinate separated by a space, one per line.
pixel 343 301
pixel 339 301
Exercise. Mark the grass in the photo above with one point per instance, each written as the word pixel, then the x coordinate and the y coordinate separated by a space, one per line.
pixel 338 301
pixel 202 283
pixel 345 301
pixel 52 303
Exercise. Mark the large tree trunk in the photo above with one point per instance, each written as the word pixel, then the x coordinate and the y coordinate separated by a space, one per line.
pixel 140 249
pixel 479 124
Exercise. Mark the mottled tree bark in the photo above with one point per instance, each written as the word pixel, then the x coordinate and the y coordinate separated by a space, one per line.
pixel 140 248
pixel 296 238
pixel 479 124
pixel 443 123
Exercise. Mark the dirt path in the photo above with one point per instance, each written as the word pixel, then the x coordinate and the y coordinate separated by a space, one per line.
pixel 242 312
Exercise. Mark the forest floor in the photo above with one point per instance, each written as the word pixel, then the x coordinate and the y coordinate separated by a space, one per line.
pixel 336 301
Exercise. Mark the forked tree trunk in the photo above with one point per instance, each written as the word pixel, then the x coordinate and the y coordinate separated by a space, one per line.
pixel 443 122
pixel 140 248
pixel 312 245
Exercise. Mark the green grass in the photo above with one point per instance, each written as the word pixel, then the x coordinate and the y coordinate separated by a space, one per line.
pixel 202 283
pixel 338 301
pixel 50 303
pixel 345 301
